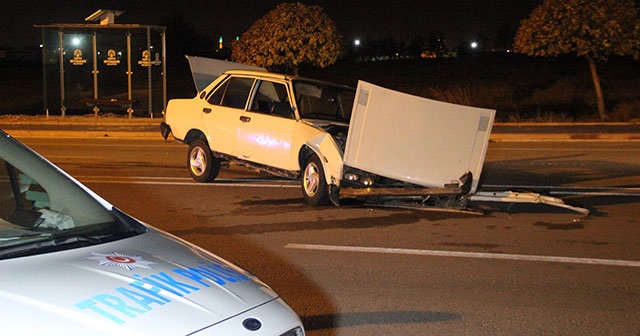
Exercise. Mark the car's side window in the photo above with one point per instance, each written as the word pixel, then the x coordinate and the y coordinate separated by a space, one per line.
pixel 271 98
pixel 23 201
pixel 233 93
pixel 216 96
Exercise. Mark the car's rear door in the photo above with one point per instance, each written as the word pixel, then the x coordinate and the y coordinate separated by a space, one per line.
pixel 222 114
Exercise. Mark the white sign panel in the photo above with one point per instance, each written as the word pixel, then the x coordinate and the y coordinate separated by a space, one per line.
pixel 414 139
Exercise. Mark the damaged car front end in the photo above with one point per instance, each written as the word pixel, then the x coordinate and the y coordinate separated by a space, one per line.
pixel 401 147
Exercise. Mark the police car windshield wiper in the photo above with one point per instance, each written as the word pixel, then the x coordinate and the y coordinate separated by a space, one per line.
pixel 77 238
pixel 22 237
pixel 28 244
pixel 47 243
pixel 92 238
pixel 52 243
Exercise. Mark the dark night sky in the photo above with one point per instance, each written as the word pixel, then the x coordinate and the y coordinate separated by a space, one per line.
pixel 367 19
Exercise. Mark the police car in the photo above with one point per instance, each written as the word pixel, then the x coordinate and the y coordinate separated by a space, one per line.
pixel 73 264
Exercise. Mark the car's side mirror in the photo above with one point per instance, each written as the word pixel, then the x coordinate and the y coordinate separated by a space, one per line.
pixel 281 109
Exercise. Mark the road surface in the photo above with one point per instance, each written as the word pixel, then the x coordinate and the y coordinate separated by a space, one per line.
pixel 361 270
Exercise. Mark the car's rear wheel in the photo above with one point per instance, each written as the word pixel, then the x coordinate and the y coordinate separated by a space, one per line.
pixel 203 166
pixel 314 184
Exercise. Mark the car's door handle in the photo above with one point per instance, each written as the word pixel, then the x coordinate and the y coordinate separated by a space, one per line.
pixel 206 110
pixel 245 119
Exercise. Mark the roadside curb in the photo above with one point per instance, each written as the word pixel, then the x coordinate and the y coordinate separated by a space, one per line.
pixel 149 128
pixel 495 137
pixel 504 137
pixel 81 127
pixel 83 134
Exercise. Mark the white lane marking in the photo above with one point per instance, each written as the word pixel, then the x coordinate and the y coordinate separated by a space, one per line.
pixel 564 149
pixel 61 157
pixel 230 184
pixel 188 182
pixel 475 255
pixel 83 143
pixel 568 190
pixel 558 187
pixel 275 183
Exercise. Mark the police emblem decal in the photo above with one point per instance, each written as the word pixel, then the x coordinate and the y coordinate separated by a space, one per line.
pixel 125 261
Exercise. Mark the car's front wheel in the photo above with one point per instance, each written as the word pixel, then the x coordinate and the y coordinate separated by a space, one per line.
pixel 203 166
pixel 314 184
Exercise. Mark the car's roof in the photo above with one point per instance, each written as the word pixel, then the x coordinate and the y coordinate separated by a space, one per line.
pixel 258 73
pixel 279 76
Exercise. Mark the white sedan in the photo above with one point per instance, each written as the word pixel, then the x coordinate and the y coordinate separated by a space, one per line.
pixel 340 142
pixel 283 125
pixel 73 264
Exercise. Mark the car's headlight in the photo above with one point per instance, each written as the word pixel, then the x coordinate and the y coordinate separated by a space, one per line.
pixel 366 181
pixel 351 177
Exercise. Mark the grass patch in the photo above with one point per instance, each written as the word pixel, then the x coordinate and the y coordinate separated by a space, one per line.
pixel 520 88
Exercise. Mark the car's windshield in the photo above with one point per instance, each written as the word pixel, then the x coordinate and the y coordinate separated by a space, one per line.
pixel 40 205
pixel 318 100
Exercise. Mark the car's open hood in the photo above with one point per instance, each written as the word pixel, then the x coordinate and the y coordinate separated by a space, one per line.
pixel 414 139
pixel 118 290
pixel 205 70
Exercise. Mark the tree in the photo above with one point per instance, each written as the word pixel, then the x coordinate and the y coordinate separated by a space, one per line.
pixel 593 29
pixel 288 36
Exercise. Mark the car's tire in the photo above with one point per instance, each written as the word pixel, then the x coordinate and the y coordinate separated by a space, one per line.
pixel 203 166
pixel 314 184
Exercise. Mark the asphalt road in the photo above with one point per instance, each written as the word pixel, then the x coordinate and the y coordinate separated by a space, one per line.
pixel 363 270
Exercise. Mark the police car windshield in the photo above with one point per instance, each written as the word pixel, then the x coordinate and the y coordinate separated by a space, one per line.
pixel 40 203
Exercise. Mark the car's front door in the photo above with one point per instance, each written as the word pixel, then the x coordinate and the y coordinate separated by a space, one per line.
pixel 267 127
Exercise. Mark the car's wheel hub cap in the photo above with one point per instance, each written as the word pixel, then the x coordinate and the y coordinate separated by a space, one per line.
pixel 311 179
pixel 198 162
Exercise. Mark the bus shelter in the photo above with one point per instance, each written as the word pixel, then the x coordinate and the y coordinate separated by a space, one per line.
pixel 106 67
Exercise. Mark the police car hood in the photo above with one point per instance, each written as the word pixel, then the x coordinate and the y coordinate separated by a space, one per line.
pixel 149 284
